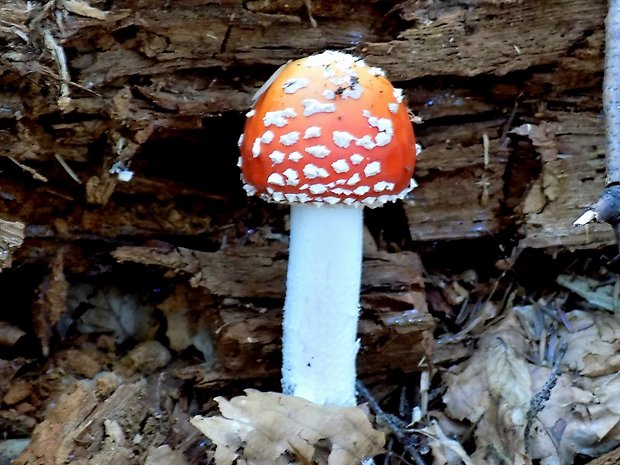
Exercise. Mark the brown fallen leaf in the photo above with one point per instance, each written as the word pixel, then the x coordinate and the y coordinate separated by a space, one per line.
pixel 266 428
pixel 567 403
pixel 187 323
pixel 593 348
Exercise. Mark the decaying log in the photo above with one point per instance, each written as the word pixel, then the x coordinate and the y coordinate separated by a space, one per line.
pixel 99 422
pixel 260 272
pixel 395 327
pixel 11 237
pixel 571 148
pixel 92 90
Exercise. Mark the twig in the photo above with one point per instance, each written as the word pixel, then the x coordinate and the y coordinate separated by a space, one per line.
pixel 63 70
pixel 537 404
pixel 35 174
pixel 53 75
pixel 607 208
pixel 395 424
pixel 388 451
pixel 484 182
pixel 499 455
pixel 308 4
pixel 425 385
pixel 72 174
pixel 504 136
pixel 451 444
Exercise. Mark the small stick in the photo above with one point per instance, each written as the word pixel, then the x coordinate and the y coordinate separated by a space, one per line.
pixel 503 139
pixel 395 424
pixel 35 174
pixel 308 4
pixel 72 174
pixel 63 70
pixel 607 208
pixel 537 404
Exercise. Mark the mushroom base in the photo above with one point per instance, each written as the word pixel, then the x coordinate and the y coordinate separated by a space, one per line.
pixel 322 303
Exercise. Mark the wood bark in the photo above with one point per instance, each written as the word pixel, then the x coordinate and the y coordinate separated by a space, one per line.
pixel 96 422
pixel 507 113
pixel 245 313
pixel 160 88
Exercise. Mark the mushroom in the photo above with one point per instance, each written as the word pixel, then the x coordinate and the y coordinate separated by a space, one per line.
pixel 328 135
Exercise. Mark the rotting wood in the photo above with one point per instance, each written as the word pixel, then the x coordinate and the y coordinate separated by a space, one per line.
pixel 100 422
pixel 572 153
pixel 11 237
pixel 140 76
pixel 260 272
pixel 395 326
pixel 248 344
pixel 569 172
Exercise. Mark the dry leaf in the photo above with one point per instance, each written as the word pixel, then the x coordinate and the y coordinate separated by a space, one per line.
pixel 508 375
pixel 544 139
pixel 467 397
pixel 535 200
pixel 164 455
pixel 265 428
pixel 579 413
pixel 593 349
pixel 99 189
pixel 454 293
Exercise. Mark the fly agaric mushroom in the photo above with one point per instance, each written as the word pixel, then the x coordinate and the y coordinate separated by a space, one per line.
pixel 328 135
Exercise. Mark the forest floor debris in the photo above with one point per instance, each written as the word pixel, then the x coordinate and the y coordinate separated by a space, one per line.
pixel 512 374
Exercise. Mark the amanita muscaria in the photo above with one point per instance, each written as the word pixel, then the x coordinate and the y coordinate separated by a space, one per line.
pixel 328 135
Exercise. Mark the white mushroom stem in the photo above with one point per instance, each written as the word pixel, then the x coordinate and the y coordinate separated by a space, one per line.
pixel 322 303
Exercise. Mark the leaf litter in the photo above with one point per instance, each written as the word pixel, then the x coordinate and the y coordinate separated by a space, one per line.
pixel 524 407
pixel 518 384
pixel 266 428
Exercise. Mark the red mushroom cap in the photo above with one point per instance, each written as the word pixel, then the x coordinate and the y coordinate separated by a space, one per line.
pixel 328 129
